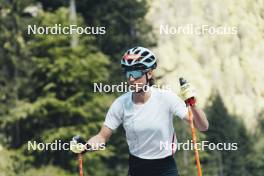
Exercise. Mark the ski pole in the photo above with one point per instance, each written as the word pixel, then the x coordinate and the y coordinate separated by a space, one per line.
pixel 80 155
pixel 197 158
pixel 80 159
pixel 190 102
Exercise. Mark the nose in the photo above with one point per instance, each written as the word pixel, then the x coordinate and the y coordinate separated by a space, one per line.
pixel 131 78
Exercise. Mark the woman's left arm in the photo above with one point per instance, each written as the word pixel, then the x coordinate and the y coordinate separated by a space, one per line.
pixel 199 118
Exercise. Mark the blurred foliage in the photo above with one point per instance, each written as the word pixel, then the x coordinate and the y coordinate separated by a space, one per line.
pixel 124 21
pixel 47 85
pixel 6 163
pixel 256 158
pixel 225 128
pixel 46 93
pixel 14 53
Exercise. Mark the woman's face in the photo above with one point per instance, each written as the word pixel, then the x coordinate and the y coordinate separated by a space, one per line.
pixel 137 84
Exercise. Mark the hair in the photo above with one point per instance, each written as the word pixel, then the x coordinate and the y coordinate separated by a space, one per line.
pixel 151 82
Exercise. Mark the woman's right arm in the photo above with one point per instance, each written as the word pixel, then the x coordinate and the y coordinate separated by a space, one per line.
pixel 102 137
pixel 112 121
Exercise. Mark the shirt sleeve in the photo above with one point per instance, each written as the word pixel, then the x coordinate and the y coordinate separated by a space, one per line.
pixel 114 115
pixel 176 105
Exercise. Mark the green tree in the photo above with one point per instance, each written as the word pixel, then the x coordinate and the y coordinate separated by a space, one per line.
pixel 256 158
pixel 14 60
pixel 14 73
pixel 125 24
pixel 225 128
pixel 62 103
pixel 46 85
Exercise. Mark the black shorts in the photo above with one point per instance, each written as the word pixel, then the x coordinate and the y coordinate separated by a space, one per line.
pixel 152 167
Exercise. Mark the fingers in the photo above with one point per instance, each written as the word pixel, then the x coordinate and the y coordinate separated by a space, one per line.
pixel 96 143
pixel 76 147
pixel 79 145
pixel 187 91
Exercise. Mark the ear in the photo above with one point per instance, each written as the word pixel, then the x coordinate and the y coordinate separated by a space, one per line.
pixel 150 74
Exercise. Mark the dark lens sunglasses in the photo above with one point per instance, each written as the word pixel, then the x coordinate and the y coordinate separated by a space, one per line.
pixel 136 74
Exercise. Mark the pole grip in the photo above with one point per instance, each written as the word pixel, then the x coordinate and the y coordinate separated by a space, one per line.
pixel 182 81
pixel 191 101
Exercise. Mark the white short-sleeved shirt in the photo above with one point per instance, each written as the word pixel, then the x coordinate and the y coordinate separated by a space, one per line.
pixel 147 125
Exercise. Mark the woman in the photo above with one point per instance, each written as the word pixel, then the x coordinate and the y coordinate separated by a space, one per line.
pixel 147 117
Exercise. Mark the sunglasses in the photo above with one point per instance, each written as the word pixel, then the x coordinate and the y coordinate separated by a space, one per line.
pixel 136 74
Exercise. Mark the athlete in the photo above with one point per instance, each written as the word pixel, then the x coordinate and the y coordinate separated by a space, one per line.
pixel 146 114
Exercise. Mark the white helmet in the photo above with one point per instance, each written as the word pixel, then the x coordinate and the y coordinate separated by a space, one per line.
pixel 139 58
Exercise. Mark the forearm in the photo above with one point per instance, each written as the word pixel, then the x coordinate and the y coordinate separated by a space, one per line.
pixel 102 137
pixel 98 138
pixel 199 119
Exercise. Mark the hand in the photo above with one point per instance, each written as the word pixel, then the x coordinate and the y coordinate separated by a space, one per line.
pixel 97 142
pixel 77 145
pixel 187 91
